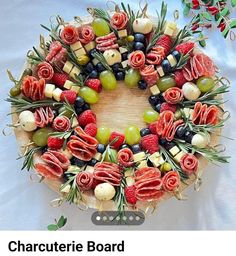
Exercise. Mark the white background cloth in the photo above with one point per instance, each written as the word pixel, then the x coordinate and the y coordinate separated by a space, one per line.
pixel 25 205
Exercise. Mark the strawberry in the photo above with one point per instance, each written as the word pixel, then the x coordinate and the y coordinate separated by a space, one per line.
pixel 94 84
pixel 152 127
pixel 179 78
pixel 55 143
pixel 59 79
pixel 166 42
pixel 166 106
pixel 130 194
pixel 118 139
pixel 91 129
pixel 185 47
pixel 87 117
pixel 150 143
pixel 69 95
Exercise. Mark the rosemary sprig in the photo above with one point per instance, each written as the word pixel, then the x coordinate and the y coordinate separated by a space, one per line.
pixel 108 152
pixel 182 61
pixel 101 13
pixel 131 16
pixel 183 35
pixel 99 56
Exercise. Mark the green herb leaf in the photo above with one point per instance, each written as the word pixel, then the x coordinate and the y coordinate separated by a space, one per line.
pixel 233 3
pixel 62 222
pixel 186 10
pixel 224 12
pixel 52 227
pixel 206 16
pixel 232 24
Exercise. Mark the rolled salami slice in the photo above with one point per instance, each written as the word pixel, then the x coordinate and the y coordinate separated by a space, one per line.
pixel 69 34
pixel 137 59
pixel 173 95
pixel 119 20
pixel 61 124
pixel 84 180
pixel 86 34
pixel 45 70
pixel 189 163
pixel 170 181
pixel 125 157
pixel 43 116
pixel 149 74
pixel 57 55
pixel 155 56
pixel 33 88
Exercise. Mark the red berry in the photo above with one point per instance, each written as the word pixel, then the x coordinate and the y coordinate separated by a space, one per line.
pixel 166 106
pixel 152 128
pixel 87 117
pixel 179 78
pixel 59 79
pixel 55 143
pixel 118 139
pixel 69 95
pixel 130 194
pixel 166 42
pixel 150 143
pixel 185 47
pixel 94 84
pixel 213 10
pixel 91 129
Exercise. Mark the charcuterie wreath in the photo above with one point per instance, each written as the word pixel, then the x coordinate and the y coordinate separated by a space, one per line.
pixel 158 69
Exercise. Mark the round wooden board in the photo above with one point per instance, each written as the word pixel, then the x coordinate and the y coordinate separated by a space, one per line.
pixel 116 110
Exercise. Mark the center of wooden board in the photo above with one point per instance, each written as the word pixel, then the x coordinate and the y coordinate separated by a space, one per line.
pixel 121 107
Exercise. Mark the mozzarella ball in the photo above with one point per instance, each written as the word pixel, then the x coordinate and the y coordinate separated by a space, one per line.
pixel 191 91
pixel 200 140
pixel 142 25
pixel 27 121
pixel 112 56
pixel 104 192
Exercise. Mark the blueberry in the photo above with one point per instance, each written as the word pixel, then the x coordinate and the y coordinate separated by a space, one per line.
pixel 89 67
pixel 142 85
pixel 158 107
pixel 79 102
pixel 101 148
pixel 149 163
pixel 124 146
pixel 77 161
pixel 162 142
pixel 124 56
pixel 116 67
pixel 136 148
pixel 180 132
pixel 139 46
pixel 166 66
pixel 99 67
pixel 120 76
pixel 153 100
pixel 92 162
pixel 161 98
pixel 86 106
pixel 176 55
pixel 188 136
pixel 144 132
pixel 93 74
pixel 78 111
pixel 169 145
pixel 67 176
pixel 91 53
pixel 138 37
pixel 44 149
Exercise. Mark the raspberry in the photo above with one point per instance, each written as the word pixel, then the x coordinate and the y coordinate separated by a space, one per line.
pixel 185 47
pixel 91 129
pixel 87 117
pixel 179 78
pixel 166 106
pixel 150 143
pixel 69 95
pixel 55 143
pixel 94 84
pixel 166 42
pixel 152 127
pixel 130 195
pixel 118 139
pixel 59 79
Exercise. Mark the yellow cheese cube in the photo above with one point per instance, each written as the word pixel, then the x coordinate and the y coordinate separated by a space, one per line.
pixel 160 71
pixel 123 49
pixel 179 156
pixel 65 189
pixel 98 156
pixel 142 164
pixel 154 156
pixel 76 46
pixel 174 151
pixel 169 31
pixel 57 94
pixel 68 67
pixel 74 122
pixel 95 61
pixel 172 25
pixel 172 60
pixel 125 63
pixel 89 169
pixel 68 84
pixel 130 181
pixel 139 157
pixel 122 33
pixel 75 72
pixel 88 47
pixel 49 88
pixel 75 88
pixel 154 90
pixel 80 52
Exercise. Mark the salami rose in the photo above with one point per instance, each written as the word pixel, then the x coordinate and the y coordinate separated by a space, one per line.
pixel 125 157
pixel 84 180
pixel 189 163
pixel 43 116
pixel 57 55
pixel 119 20
pixel 137 59
pixel 149 74
pixel 33 88
pixel 69 34
pixel 85 34
pixel 156 55
pixel 173 95
pixel 61 124
pixel 170 181
pixel 45 70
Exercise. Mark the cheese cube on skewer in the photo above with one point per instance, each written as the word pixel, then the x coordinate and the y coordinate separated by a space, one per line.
pixel 76 46
pixel 122 33
pixel 68 66
pixel 75 72
pixel 88 47
pixel 57 94
pixel 80 52
pixel 154 90
pixel 139 157
pixel 49 88
pixel 68 84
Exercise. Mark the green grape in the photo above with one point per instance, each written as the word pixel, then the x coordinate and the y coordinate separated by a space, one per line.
pixel 165 83
pixel 205 84
pixel 108 80
pixel 103 135
pixel 166 167
pixel 132 78
pixel 89 95
pixel 111 155
pixel 40 137
pixel 150 116
pixel 132 135
pixel 177 114
pixel 100 27
pixel 15 91
pixel 65 112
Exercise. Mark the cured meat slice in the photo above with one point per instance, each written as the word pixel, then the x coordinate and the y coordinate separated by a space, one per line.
pixel 61 124
pixel 189 163
pixel 45 70
pixel 108 172
pixel 149 74
pixel 69 34
pixel 165 42
pixel 137 59
pixel 43 116
pixel 170 131
pixel 107 42
pixel 33 88
pixel 57 55
pixel 55 164
pixel 86 34
pixel 170 181
pixel 82 146
pixel 119 20
pixel 125 157
pixel 102 39
pixel 202 114
pixel 146 173
pixel 84 180
pixel 173 95
pixel 155 56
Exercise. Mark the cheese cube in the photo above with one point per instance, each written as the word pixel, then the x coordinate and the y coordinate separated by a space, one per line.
pixel 172 25
pixel 142 164
pixel 88 47
pixel 158 161
pixel 154 90
pixel 154 156
pixel 130 181
pixel 160 71
pixel 68 84
pixel 95 61
pixel 56 94
pixel 123 49
pixel 75 88
pixel 66 189
pixel 68 66
pixel 169 31
pixel 139 157
pixel 76 46
pixel 74 72
pixel 186 112
pixel 49 88
pixel 80 52
pixel 174 151
pixel 122 33
pixel 89 169
pixel 72 168
pixel 74 123
pixel 98 156
pixel 191 114
pixel 129 173
pixel 125 63
pixel 172 60
pixel 179 156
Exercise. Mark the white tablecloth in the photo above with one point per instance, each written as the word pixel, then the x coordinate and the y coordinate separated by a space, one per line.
pixel 25 205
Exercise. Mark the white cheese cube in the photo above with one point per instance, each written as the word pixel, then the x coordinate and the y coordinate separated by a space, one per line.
pixel 186 112
pixel 68 67
pixel 154 90
pixel 139 157
pixel 142 164
pixel 80 52
pixel 66 189
pixel 122 33
pixel 174 151
pixel 172 25
pixel 75 88
pixel 68 84
pixel 74 122
pixel 172 60
pixel 154 156
pixel 89 169
pixel 72 168
pixel 130 181
pixel 169 31
pixel 129 173
pixel 179 156
pixel 49 88
pixel 98 156
pixel 191 113
pixel 56 94
pixel 88 47
pixel 75 72
pixel 160 71
pixel 95 61
pixel 125 63
pixel 158 161
pixel 76 46
pixel 123 49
